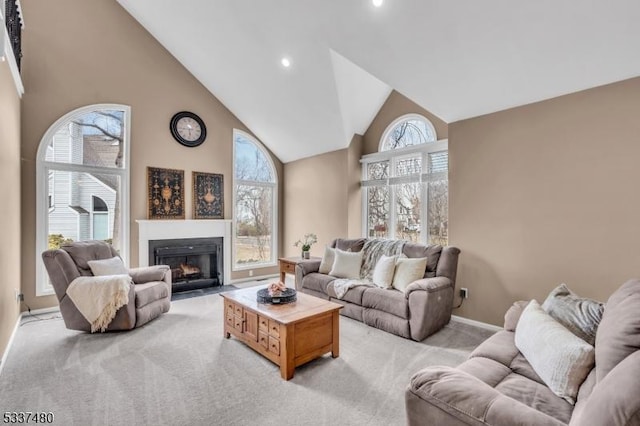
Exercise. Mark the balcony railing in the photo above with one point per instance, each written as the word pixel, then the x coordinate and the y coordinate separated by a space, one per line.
pixel 14 28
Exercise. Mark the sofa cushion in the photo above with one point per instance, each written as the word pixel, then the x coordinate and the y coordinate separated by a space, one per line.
pixel 346 264
pixel 83 251
pixel 353 295
pixel 579 315
pixel 431 252
pixel 112 266
pixel 619 332
pixel 327 260
pixel 559 357
pixel 317 282
pixel 150 292
pixel 532 393
pixel 390 301
pixel 349 244
pixel 407 271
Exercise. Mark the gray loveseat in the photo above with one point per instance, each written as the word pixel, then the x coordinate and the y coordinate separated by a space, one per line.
pixel 497 386
pixel 422 310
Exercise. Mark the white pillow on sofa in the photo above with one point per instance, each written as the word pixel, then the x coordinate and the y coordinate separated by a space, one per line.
pixel 113 266
pixel 327 260
pixel 559 357
pixel 346 264
pixel 408 270
pixel 384 270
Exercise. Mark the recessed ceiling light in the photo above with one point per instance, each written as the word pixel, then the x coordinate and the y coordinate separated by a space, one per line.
pixel 285 62
pixel 377 3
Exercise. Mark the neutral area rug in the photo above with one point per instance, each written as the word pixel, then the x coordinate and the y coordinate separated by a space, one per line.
pixel 179 370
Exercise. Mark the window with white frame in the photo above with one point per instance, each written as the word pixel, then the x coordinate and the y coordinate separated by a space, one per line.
pixel 254 203
pixel 83 182
pixel 405 184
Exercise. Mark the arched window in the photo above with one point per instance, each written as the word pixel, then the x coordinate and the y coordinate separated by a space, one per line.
pixel 83 182
pixel 405 185
pixel 254 203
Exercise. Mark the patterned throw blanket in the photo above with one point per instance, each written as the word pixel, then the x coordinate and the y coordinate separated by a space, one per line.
pixel 371 252
pixel 99 298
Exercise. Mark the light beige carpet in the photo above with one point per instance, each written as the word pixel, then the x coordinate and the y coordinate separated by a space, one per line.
pixel 179 370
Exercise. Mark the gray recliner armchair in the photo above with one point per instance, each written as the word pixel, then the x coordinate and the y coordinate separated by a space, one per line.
pixel 149 296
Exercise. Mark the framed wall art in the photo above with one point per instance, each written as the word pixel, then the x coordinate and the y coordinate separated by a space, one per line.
pixel 208 196
pixel 165 193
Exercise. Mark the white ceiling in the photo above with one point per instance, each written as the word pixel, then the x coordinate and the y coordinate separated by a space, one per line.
pixel 456 58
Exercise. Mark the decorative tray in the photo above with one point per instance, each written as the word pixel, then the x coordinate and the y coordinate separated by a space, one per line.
pixel 286 296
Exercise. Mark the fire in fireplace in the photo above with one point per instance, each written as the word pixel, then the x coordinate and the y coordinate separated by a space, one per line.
pixel 194 262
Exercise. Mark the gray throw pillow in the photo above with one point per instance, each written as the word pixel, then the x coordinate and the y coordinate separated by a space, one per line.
pixel 578 314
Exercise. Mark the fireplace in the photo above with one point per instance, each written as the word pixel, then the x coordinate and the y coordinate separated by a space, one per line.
pixel 194 262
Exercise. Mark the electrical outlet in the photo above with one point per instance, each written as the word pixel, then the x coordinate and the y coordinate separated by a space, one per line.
pixel 19 296
pixel 250 272
pixel 464 293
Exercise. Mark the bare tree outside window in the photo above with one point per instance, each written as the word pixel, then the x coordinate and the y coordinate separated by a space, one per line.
pixel 254 195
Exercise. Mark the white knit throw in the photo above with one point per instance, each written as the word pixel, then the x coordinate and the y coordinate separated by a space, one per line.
pixel 99 298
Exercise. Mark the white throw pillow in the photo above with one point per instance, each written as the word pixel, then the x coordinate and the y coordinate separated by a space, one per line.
pixel 384 270
pixel 346 264
pixel 327 260
pixel 559 357
pixel 408 270
pixel 113 266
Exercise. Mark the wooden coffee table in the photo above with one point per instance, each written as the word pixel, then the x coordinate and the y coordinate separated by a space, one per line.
pixel 289 334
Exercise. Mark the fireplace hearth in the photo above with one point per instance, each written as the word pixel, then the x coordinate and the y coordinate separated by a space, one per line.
pixel 195 262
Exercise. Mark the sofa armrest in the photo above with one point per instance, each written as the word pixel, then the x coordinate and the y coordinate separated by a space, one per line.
pixel 147 274
pixel 512 316
pixel 428 284
pixel 454 397
pixel 305 267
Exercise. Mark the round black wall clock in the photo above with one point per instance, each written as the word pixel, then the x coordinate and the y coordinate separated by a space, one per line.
pixel 188 129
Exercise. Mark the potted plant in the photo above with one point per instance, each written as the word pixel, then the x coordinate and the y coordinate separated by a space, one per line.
pixel 306 242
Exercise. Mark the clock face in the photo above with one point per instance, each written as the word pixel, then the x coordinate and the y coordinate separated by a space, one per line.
pixel 188 129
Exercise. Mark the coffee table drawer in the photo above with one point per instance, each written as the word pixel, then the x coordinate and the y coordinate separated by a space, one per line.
pixel 263 324
pixel 229 319
pixel 263 339
pixel 238 310
pixel 274 345
pixel 274 329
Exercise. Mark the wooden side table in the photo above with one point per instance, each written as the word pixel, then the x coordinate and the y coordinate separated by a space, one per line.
pixel 288 265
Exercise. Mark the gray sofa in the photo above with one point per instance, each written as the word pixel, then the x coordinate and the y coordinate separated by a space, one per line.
pixel 149 297
pixel 425 307
pixel 497 386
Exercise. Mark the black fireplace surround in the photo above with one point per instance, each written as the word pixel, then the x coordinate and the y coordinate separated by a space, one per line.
pixel 195 262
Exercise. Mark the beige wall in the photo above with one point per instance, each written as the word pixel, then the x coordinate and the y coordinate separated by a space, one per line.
pixel 395 106
pixel 78 53
pixel 10 206
pixel 544 194
pixel 315 193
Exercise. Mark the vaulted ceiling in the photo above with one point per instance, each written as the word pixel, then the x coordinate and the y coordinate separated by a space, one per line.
pixel 456 58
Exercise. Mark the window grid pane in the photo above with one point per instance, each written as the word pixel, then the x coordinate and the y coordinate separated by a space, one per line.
pixel 378 212
pixel 254 225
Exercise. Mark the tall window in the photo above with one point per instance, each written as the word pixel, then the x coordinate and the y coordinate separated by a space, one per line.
pixel 255 200
pixel 83 182
pixel 405 184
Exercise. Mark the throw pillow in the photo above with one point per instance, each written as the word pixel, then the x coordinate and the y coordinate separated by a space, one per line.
pixel 559 357
pixel 346 265
pixel 408 270
pixel 113 266
pixel 384 271
pixel 580 315
pixel 327 260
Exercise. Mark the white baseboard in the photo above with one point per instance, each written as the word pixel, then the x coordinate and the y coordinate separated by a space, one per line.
pixel 477 323
pixel 260 278
pixel 41 311
pixel 9 343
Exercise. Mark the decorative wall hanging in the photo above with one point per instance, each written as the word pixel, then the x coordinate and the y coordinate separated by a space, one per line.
pixel 165 193
pixel 208 196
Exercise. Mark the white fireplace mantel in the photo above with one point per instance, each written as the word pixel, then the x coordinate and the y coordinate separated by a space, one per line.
pixel 173 229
